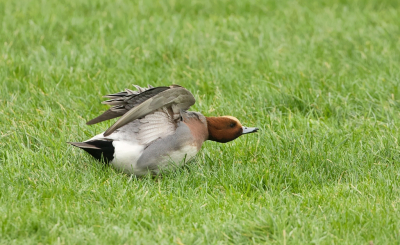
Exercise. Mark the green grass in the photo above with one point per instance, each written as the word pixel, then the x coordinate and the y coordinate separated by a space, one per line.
pixel 321 79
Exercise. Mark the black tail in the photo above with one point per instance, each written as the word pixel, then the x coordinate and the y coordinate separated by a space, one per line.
pixel 102 150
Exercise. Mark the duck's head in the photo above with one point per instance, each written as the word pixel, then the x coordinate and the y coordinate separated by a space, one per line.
pixel 226 128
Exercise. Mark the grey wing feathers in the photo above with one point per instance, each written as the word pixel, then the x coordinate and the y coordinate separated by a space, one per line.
pixel 158 124
pixel 177 97
pixel 123 101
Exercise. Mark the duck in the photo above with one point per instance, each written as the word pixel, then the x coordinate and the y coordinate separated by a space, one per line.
pixel 155 131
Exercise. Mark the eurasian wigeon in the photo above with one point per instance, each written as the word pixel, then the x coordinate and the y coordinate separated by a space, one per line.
pixel 155 131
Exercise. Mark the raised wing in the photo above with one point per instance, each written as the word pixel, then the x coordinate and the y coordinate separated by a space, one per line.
pixel 123 101
pixel 175 97
pixel 158 124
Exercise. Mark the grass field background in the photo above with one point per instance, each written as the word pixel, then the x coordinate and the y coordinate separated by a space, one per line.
pixel 320 79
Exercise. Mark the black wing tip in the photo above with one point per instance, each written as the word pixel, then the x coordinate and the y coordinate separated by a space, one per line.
pixel 94 120
pixel 107 115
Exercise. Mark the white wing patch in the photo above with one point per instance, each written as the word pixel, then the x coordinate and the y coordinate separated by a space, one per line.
pixel 159 124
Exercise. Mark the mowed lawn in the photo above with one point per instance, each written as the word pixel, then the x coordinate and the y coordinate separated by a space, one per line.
pixel 321 79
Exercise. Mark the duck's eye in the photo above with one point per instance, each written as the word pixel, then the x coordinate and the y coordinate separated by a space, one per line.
pixel 232 125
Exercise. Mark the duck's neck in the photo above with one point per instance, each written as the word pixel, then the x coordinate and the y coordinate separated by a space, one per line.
pixel 197 125
pixel 212 122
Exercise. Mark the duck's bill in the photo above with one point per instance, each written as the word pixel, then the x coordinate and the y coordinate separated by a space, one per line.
pixel 247 130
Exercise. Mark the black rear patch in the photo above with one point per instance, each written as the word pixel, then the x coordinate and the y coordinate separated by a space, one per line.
pixel 102 150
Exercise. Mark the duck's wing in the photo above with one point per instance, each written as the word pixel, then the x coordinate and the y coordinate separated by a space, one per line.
pixel 123 101
pixel 174 97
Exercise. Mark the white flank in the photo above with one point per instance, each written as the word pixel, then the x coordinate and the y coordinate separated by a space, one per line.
pixel 126 155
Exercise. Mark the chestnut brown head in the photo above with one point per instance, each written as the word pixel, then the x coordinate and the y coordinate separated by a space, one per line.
pixel 226 128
